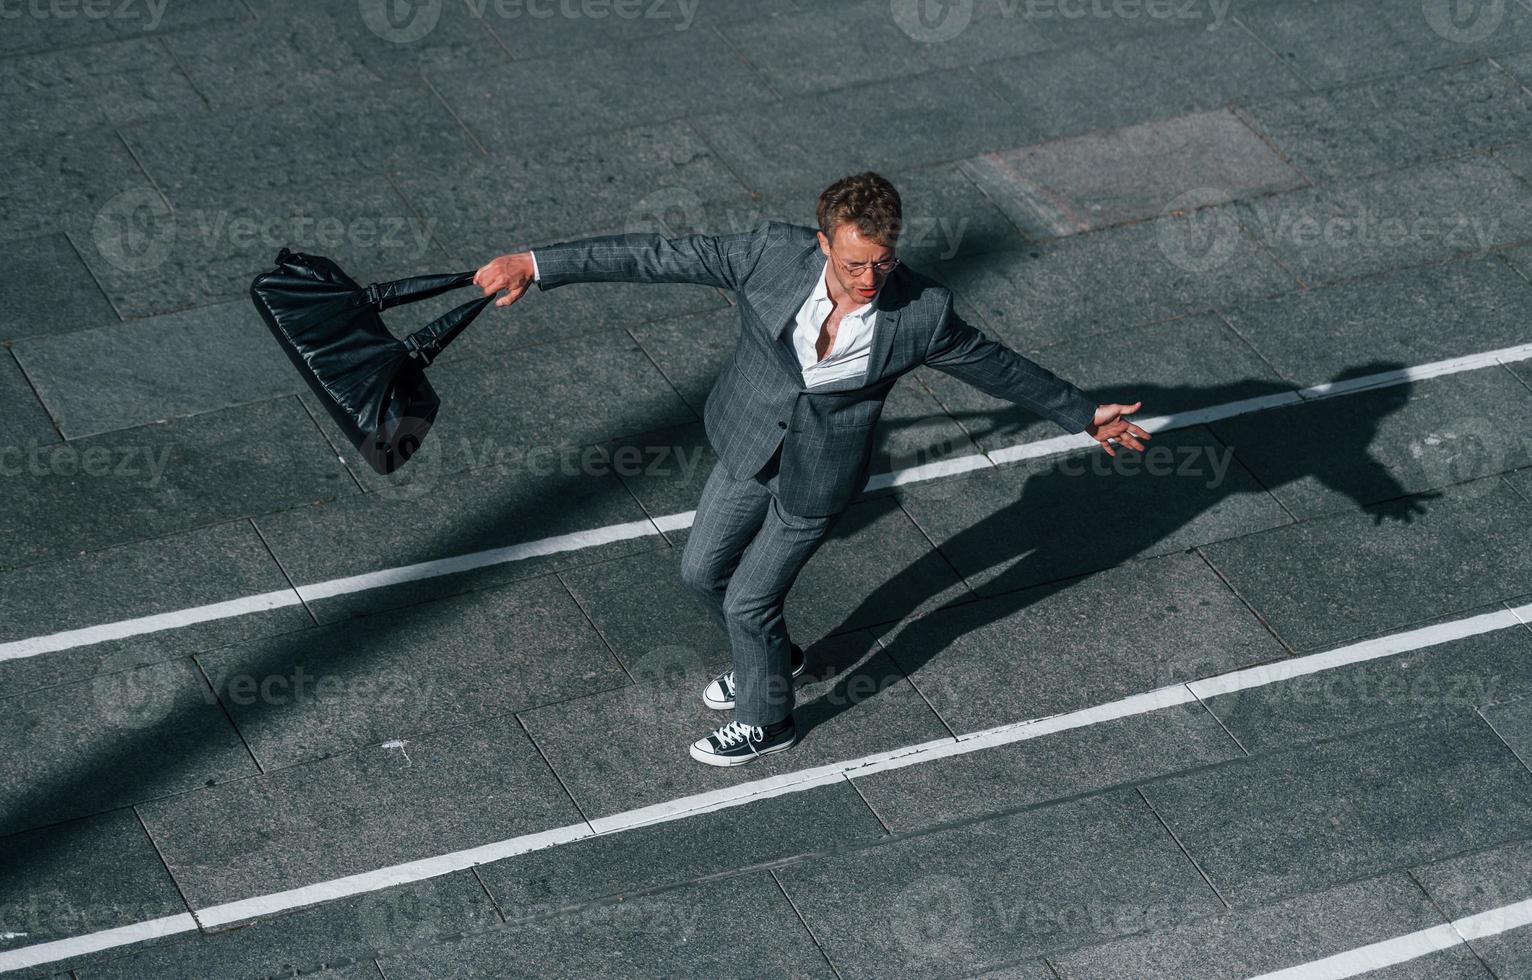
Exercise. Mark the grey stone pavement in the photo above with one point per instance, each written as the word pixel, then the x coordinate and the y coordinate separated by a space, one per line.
pixel 1189 203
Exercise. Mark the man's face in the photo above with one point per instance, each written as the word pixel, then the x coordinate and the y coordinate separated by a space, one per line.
pixel 851 248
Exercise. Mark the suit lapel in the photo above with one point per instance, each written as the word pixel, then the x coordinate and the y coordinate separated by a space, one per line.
pixel 784 313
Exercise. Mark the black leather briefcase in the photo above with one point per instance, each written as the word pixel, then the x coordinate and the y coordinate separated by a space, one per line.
pixel 373 385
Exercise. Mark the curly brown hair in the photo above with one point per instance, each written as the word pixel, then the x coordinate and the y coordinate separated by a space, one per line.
pixel 868 201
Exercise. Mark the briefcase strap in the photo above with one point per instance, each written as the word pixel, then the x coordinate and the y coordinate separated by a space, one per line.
pixel 384 295
pixel 427 343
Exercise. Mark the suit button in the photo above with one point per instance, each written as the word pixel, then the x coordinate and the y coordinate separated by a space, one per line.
pixel 781 425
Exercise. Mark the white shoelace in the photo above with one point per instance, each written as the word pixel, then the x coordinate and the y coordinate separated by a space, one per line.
pixel 735 732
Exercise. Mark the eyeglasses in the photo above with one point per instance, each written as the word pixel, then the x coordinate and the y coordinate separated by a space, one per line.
pixel 857 268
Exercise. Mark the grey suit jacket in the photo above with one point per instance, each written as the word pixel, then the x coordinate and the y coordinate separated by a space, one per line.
pixel 759 399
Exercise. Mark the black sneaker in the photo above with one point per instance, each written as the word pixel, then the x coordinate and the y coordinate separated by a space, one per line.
pixel 719 694
pixel 735 744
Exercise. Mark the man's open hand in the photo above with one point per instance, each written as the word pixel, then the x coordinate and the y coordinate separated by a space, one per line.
pixel 512 273
pixel 1109 424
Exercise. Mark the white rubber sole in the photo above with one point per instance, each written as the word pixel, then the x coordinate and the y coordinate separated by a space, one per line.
pixel 707 757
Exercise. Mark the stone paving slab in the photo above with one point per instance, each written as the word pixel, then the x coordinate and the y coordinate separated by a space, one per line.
pixel 113 741
pixel 1314 816
pixel 1176 365
pixel 323 691
pixel 1512 721
pixel 1337 41
pixel 1327 581
pixel 771 830
pixel 59 92
pixel 1049 878
pixel 1072 645
pixel 1247 942
pixel 440 518
pixel 556 315
pixel 49 290
pixel 349 929
pixel 617 86
pixel 453 789
pixel 1032 522
pixel 1101 281
pixel 27 423
pixel 81 877
pixel 1122 82
pixel 213 564
pixel 135 484
pixel 1411 316
pixel 1401 218
pixel 565 190
pixel 1038 770
pixel 106 189
pixel 813 139
pixel 1453 677
pixel 1079 184
pixel 119 376
pixel 673 933
pixel 1351 451
pixel 853 701
pixel 566 33
pixel 1479 882
pixel 1356 130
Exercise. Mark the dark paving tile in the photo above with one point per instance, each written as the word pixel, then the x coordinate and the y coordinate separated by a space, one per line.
pixel 331 689
pixel 118 376
pixel 27 423
pixel 570 32
pixel 1405 217
pixel 168 18
pixel 664 469
pixel 102 85
pixel 565 190
pixel 212 564
pixel 1456 676
pixel 1370 446
pixel 1512 721
pixel 1394 122
pixel 673 933
pixel 1030 523
pixel 1480 882
pixel 1101 179
pixel 387 804
pixel 444 516
pixel 1326 581
pixel 1121 82
pixel 1174 265
pixel 153 480
pixel 850 702
pixel 811 140
pixel 49 290
pixel 106 198
pixel 41 30
pixel 617 86
pixel 1293 822
pixel 1188 625
pixel 1211 364
pixel 343 935
pixel 1336 41
pixel 1050 878
pixel 770 829
pixel 1285 935
pixel 1412 317
pixel 113 741
pixel 1038 770
pixel 82 877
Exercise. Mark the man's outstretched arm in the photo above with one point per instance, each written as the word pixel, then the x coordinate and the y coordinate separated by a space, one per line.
pixel 712 260
pixel 959 349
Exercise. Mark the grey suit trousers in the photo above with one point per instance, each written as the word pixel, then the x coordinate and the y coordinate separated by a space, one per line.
pixel 740 560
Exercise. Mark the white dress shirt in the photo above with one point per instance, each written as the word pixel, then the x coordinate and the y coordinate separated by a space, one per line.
pixel 847 357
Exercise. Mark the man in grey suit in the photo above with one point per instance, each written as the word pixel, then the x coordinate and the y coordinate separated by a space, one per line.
pixel 829 321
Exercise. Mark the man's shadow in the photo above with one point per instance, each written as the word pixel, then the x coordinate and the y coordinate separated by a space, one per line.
pixel 1086 512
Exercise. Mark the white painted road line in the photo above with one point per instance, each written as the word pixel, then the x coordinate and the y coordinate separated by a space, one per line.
pixel 33 646
pixel 1410 946
pixel 794 782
